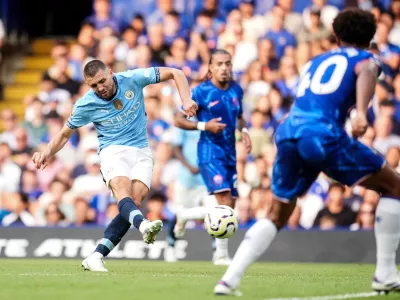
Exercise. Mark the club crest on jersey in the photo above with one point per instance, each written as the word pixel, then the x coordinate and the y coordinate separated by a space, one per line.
pixel 129 94
pixel 118 104
pixel 235 102
pixel 218 179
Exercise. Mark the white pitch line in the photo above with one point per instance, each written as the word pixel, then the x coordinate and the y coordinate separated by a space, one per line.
pixel 332 297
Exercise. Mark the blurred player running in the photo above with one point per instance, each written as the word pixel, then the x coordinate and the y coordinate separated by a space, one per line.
pixel 115 105
pixel 219 101
pixel 312 140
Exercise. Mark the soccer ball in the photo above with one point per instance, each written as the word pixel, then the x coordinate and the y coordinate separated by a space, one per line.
pixel 221 222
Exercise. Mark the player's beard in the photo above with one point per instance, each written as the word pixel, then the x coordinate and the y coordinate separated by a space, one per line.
pixel 224 81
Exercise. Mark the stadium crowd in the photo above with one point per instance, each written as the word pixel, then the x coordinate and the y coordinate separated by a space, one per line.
pixel 268 50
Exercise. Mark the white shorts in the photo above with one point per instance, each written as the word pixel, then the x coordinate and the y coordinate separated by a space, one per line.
pixel 127 161
pixel 192 197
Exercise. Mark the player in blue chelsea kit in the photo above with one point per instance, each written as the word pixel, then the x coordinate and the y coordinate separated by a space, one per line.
pixel 312 140
pixel 115 105
pixel 219 101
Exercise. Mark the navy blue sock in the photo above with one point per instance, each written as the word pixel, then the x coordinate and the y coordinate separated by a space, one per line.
pixel 130 212
pixel 113 235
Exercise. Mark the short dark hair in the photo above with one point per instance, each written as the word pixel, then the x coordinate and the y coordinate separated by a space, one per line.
pixel 336 184
pixel 92 67
pixel 355 27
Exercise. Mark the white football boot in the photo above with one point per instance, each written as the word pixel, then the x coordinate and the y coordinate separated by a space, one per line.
pixel 151 229
pixel 221 260
pixel 392 284
pixel 94 262
pixel 223 289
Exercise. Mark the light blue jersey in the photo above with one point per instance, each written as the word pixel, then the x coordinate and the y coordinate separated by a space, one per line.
pixel 121 120
pixel 188 140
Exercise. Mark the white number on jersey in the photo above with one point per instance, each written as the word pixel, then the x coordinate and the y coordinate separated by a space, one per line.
pixel 315 85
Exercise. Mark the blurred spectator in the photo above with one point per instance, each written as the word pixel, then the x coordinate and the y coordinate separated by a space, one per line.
pixel 328 13
pixel 254 86
pixel 365 218
pixel 290 78
pixel 9 120
pixel 86 38
pixel 204 27
pixel 10 173
pixel 388 53
pixel 46 176
pixel 86 186
pixel 77 58
pixel 138 24
pixel 179 60
pixel 384 138
pixel 22 152
pixel 253 25
pixel 30 185
pixel 292 20
pixel 393 157
pixel 276 101
pixel 127 45
pixel 278 34
pixel 34 122
pixel 173 28
pixel 102 16
pixel 159 50
pixel 316 31
pixel 54 216
pixel 394 36
pixel 244 212
pixel 60 74
pixel 84 214
pixel 19 214
pixel 335 208
pixel 259 136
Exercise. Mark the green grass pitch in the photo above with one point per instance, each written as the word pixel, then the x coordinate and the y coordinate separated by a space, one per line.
pixel 150 280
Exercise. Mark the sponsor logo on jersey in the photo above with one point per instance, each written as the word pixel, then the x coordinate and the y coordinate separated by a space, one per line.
pixel 218 179
pixel 213 103
pixel 129 94
pixel 118 104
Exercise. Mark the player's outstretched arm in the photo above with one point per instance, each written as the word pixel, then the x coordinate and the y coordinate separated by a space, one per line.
pixel 41 159
pixel 181 121
pixel 367 75
pixel 182 84
pixel 213 125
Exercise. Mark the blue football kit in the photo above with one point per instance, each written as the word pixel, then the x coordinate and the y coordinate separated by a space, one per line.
pixel 216 152
pixel 312 139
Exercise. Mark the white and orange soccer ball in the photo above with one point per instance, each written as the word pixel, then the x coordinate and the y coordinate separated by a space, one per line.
pixel 221 222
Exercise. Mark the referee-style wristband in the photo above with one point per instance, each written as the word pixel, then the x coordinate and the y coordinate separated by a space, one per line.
pixel 201 126
pixel 245 130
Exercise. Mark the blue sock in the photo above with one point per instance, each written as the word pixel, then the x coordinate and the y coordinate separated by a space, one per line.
pixel 113 235
pixel 130 212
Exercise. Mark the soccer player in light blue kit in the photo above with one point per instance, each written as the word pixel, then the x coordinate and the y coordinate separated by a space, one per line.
pixel 219 100
pixel 312 140
pixel 115 105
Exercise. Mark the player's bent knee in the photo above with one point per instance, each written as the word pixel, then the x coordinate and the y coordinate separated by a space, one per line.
pixel 121 187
